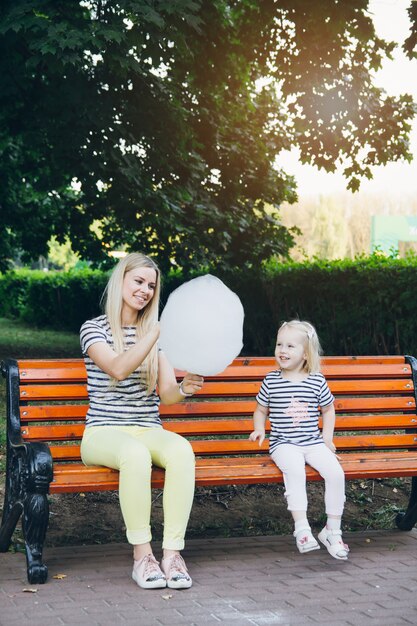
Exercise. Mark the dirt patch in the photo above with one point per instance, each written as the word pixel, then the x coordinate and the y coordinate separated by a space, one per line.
pixel 233 511
pixel 226 512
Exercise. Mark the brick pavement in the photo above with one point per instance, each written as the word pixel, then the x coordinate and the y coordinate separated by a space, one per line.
pixel 259 581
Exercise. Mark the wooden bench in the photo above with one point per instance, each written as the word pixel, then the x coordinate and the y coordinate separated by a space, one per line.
pixel 376 433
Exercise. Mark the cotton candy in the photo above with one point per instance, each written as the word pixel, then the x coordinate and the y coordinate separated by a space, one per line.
pixel 202 326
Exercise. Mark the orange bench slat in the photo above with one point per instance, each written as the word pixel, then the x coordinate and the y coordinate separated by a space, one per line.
pixel 245 470
pixel 244 446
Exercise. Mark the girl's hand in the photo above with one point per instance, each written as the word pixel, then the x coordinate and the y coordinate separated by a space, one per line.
pixel 329 443
pixel 257 434
pixel 191 383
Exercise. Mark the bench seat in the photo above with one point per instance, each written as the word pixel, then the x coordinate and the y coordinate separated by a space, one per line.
pixel 236 471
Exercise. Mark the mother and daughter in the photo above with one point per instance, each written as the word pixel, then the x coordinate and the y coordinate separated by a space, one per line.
pixel 124 429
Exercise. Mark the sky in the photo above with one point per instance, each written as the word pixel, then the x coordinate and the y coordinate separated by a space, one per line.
pixel 396 77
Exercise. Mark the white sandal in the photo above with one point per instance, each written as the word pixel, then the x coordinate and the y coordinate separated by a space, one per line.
pixel 333 541
pixel 305 541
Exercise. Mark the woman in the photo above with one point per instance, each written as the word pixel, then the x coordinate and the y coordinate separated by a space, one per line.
pixel 123 427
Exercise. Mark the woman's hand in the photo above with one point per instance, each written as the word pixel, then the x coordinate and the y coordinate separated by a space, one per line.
pixel 191 383
pixel 120 366
pixel 257 435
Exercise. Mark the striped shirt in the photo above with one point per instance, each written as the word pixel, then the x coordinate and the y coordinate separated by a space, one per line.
pixel 294 408
pixel 120 402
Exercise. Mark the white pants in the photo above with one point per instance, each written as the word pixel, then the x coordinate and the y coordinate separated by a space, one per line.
pixel 291 460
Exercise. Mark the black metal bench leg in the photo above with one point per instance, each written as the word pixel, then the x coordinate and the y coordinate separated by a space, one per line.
pixel 10 519
pixel 407 520
pixel 35 523
pixel 13 506
pixel 36 509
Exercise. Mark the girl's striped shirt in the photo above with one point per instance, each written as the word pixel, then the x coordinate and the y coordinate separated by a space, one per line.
pixel 120 402
pixel 294 408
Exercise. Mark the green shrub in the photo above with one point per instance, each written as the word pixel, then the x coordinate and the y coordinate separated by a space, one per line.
pixel 60 300
pixel 364 306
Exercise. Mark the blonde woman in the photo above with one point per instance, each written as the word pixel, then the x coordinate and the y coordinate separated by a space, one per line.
pixel 293 397
pixel 123 426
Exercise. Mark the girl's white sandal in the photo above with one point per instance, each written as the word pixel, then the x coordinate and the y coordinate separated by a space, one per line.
pixel 305 541
pixel 333 541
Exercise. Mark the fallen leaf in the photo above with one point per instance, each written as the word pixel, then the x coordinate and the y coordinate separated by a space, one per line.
pixel 59 576
pixel 168 597
pixel 30 590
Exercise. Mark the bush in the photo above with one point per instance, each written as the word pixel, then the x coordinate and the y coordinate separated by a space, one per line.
pixel 364 306
pixel 59 300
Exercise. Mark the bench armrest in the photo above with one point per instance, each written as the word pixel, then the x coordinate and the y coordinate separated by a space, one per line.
pixel 10 371
pixel 36 456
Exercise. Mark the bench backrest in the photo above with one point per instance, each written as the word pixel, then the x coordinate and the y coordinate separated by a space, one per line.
pixel 375 405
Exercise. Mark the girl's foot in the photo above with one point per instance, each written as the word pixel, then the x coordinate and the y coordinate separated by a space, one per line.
pixel 305 541
pixel 176 572
pixel 147 573
pixel 333 541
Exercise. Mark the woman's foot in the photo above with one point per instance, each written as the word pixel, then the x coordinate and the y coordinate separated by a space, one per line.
pixel 305 541
pixel 333 541
pixel 147 573
pixel 176 572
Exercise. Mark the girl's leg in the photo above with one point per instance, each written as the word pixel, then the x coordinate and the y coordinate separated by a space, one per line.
pixel 290 460
pixel 326 463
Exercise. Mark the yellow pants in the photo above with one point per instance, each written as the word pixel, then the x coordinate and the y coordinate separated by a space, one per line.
pixel 132 450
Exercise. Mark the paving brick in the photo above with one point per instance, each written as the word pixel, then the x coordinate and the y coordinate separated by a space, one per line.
pixel 256 581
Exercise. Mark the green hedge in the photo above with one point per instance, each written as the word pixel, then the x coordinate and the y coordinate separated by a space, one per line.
pixel 59 300
pixel 365 306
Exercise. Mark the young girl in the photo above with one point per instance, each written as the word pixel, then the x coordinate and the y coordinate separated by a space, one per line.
pixel 123 427
pixel 292 396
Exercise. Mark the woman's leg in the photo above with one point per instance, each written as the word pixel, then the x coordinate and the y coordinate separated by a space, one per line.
pixel 175 454
pixel 121 449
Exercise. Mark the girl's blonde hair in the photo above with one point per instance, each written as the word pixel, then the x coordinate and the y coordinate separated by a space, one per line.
pixel 312 344
pixel 113 302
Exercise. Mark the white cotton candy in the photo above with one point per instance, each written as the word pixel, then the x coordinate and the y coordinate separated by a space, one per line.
pixel 202 326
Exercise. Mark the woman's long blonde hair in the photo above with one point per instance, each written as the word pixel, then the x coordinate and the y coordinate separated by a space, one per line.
pixel 312 344
pixel 113 302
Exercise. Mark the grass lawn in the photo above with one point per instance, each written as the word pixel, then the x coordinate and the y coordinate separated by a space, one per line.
pixel 17 341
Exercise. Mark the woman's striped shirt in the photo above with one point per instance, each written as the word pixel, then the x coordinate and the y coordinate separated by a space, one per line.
pixel 294 408
pixel 116 403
